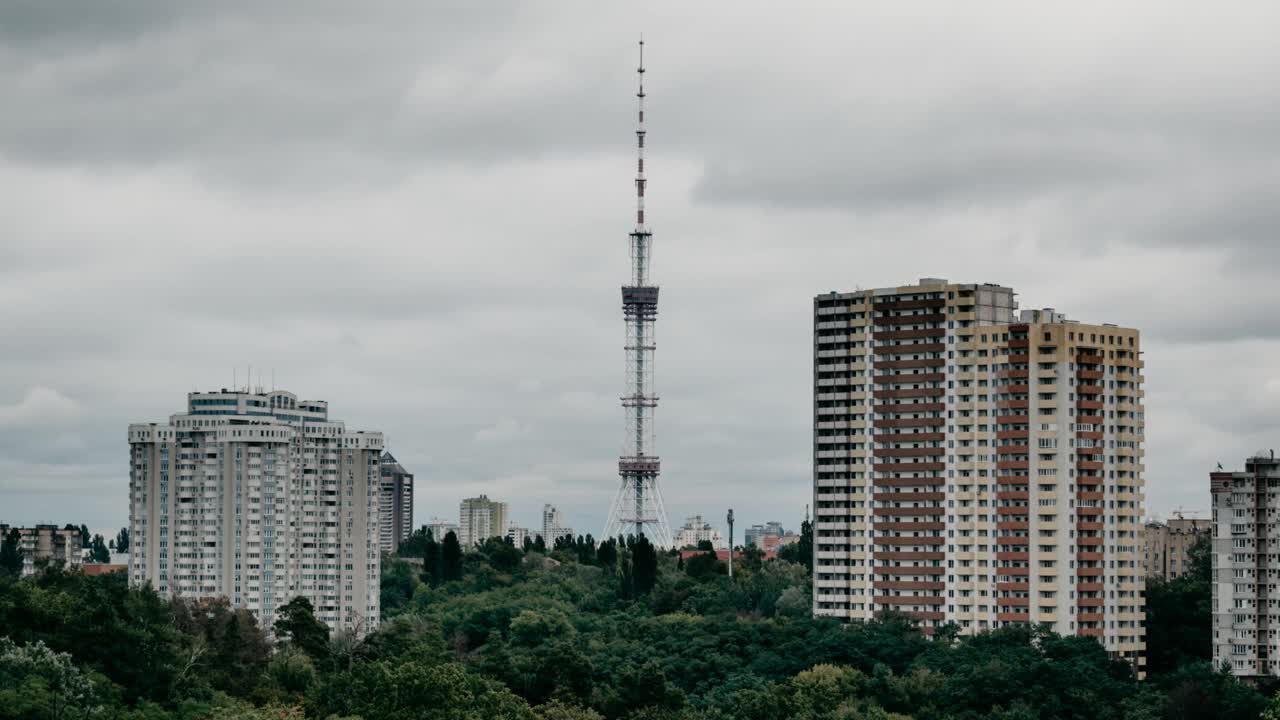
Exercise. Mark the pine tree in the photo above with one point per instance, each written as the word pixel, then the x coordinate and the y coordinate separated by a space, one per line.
pixel 98 551
pixel 607 555
pixel 297 623
pixel 645 565
pixel 11 553
pixel 431 569
pixel 122 540
pixel 451 558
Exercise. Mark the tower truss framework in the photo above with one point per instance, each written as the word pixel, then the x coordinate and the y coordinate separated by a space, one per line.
pixel 637 507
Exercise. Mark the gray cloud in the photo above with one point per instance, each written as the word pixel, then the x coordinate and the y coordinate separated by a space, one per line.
pixel 419 213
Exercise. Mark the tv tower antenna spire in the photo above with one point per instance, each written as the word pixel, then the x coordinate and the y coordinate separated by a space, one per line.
pixel 637 508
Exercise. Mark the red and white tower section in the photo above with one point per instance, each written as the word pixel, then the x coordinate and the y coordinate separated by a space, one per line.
pixel 637 509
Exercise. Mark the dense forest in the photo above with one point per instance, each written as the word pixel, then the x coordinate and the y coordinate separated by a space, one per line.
pixel 581 631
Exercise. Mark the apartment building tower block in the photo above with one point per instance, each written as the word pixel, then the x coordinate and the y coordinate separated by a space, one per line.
pixel 258 497
pixel 1246 565
pixel 395 504
pixel 977 465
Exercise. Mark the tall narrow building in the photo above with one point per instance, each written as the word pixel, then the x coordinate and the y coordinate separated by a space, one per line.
pixel 553 526
pixel 637 506
pixel 479 519
pixel 395 504
pixel 259 498
pixel 976 465
pixel 1245 563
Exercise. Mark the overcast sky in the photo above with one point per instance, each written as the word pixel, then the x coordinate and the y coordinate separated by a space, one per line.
pixel 420 212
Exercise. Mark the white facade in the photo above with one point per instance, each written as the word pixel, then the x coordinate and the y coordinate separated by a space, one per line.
pixel 259 498
pixel 696 531
pixel 553 526
pixel 1245 567
pixel 440 527
pixel 517 534
pixel 479 519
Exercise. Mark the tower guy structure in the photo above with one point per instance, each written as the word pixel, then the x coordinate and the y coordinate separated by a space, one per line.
pixel 637 509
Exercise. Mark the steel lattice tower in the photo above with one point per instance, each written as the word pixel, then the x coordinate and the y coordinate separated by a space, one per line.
pixel 638 509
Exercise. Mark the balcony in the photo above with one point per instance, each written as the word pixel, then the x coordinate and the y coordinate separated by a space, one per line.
pixel 883 320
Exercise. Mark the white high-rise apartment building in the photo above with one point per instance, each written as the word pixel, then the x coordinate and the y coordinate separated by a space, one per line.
pixel 1245 567
pixel 696 530
pixel 259 498
pixel 439 528
pixel 976 466
pixel 479 519
pixel 553 526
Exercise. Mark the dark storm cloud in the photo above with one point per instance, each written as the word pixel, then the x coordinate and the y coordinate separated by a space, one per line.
pixel 418 211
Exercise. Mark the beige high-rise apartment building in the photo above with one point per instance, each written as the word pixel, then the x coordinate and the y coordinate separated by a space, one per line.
pixel 479 519
pixel 258 497
pixel 1166 545
pixel 976 465
pixel 1245 567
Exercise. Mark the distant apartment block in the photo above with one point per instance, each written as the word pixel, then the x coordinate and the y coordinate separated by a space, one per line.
pixel 479 519
pixel 696 530
pixel 1165 545
pixel 46 546
pixel 553 526
pixel 516 535
pixel 395 504
pixel 1245 567
pixel 258 497
pixel 977 466
pixel 439 527
pixel 755 534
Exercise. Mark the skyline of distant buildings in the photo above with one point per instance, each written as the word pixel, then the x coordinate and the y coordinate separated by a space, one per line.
pixel 977 465
pixel 258 497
